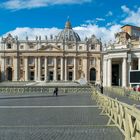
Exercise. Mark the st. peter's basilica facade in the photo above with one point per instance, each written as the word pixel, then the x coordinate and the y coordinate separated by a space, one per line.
pixel 61 58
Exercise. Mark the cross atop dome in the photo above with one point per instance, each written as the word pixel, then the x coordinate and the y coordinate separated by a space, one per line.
pixel 68 24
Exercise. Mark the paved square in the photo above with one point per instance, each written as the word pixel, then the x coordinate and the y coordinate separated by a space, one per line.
pixel 71 116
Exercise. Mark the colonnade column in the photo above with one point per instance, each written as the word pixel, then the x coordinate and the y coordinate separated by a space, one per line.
pixel 3 68
pixel 62 68
pixel 104 71
pixel 26 68
pixel 55 69
pixel 46 69
pixel 109 72
pixel 138 63
pixel 36 70
pixel 39 68
pixel 124 66
pixel 75 66
pixel 66 69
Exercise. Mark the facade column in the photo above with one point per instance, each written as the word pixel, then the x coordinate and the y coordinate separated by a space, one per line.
pixel 16 69
pixel 98 62
pixel 62 68
pixel 55 69
pixel 85 64
pixel 66 78
pixel 75 67
pixel 3 68
pixel 138 63
pixel 124 67
pixel 46 69
pixel 36 70
pixel 109 72
pixel 26 68
pixel 39 69
pixel 104 72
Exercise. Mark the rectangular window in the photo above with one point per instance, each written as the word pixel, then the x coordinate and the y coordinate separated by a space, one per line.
pixel 21 61
pixel 93 61
pixel 58 61
pixel 42 60
pixel 70 61
pixel 9 46
pixel 80 62
pixel 80 47
pixel 21 47
pixel 31 46
pixel 9 61
pixel 50 61
pixel 31 60
pixel 92 47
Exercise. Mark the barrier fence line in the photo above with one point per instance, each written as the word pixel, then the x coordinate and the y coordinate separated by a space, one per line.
pixel 31 90
pixel 124 92
pixel 124 116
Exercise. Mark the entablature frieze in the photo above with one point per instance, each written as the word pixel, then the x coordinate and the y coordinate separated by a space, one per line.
pixel 116 55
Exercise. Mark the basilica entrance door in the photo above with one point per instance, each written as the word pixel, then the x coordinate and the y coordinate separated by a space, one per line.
pixel 9 74
pixel 92 74
pixel 70 75
pixel 115 74
pixel 51 75
pixel 32 75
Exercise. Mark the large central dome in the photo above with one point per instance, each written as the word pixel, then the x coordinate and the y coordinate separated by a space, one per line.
pixel 68 34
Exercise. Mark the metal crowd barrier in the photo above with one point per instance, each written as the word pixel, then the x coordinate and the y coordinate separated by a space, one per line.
pixel 25 90
pixel 124 92
pixel 124 116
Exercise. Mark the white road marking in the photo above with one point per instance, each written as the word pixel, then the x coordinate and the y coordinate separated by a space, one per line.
pixel 10 107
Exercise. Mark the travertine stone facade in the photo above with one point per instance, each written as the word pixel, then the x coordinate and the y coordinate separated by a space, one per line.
pixel 120 57
pixel 63 58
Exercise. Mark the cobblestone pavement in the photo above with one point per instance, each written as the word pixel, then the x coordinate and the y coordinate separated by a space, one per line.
pixel 124 99
pixel 71 116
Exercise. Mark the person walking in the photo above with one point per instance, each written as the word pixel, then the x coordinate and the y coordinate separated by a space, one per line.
pixel 55 91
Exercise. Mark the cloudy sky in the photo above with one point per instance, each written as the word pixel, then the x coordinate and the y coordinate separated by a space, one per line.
pixel 45 17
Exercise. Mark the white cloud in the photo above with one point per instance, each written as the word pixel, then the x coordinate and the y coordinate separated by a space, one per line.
pixel 106 34
pixel 109 14
pixel 133 17
pixel 29 4
pixel 85 30
pixel 33 32
pixel 94 21
pixel 100 19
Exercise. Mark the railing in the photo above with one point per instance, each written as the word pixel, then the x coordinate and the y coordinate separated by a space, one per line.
pixel 124 92
pixel 41 90
pixel 125 117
